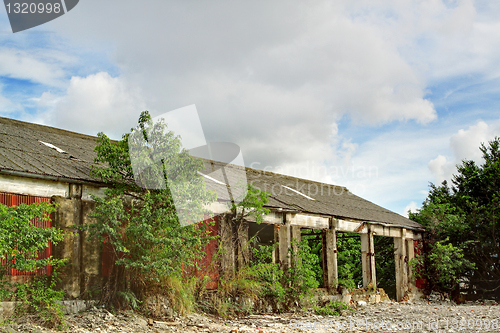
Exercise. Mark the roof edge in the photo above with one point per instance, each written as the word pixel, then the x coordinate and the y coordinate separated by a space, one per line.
pixel 45 128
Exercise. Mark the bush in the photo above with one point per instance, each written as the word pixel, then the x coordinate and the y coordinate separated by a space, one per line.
pixel 443 266
pixel 20 242
pixel 332 308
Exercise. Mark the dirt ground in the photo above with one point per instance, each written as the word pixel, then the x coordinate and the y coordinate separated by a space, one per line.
pixel 382 317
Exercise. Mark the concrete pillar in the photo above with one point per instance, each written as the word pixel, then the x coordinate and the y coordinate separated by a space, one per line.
pixel 68 217
pixel 401 265
pixel 410 253
pixel 330 269
pixel 91 254
pixel 368 259
pixel 284 238
pixel 295 230
pixel 276 250
pixel 242 247
pixel 295 240
pixel 226 249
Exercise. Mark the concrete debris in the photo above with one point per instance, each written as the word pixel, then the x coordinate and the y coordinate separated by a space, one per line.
pixel 382 317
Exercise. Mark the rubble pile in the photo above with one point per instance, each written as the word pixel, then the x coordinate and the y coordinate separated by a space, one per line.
pixel 386 316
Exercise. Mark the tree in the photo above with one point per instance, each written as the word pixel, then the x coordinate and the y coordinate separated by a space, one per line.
pixel 21 239
pixel 467 216
pixel 250 207
pixel 138 218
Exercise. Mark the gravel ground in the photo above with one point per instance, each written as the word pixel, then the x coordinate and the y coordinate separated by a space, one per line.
pixel 382 317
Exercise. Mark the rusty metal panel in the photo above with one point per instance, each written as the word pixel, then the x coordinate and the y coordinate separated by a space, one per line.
pixel 10 199
pixel 209 265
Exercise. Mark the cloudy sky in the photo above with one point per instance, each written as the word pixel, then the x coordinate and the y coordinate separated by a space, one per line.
pixel 382 97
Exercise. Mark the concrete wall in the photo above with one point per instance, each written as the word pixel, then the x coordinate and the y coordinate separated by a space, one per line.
pixel 83 270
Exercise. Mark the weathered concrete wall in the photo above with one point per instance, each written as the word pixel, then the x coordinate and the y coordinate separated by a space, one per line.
pixel 91 254
pixel 68 217
pixel 82 270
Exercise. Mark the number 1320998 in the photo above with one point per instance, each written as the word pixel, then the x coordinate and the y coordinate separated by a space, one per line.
pixel 32 8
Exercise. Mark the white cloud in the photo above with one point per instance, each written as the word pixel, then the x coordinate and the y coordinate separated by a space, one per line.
pixel 274 76
pixel 277 77
pixel 464 144
pixel 412 207
pixel 95 103
pixel 32 66
pixel 7 107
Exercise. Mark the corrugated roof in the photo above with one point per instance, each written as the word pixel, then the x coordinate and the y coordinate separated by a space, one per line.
pixel 23 149
pixel 328 200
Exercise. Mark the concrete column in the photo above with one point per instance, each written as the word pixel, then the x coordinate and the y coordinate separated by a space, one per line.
pixel 330 269
pixel 226 247
pixel 91 254
pixel 295 239
pixel 373 270
pixel 284 235
pixel 68 217
pixel 368 259
pixel 401 265
pixel 410 253
pixel 276 250
pixel 242 246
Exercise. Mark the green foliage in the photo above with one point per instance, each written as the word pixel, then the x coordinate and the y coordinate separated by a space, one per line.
pixel 142 226
pixel 349 260
pixel 442 266
pixel 266 281
pixel 21 239
pixel 466 215
pixel 20 242
pixel 385 265
pixel 269 274
pixel 316 245
pixel 251 207
pixel 300 277
pixel 41 297
pixel 332 308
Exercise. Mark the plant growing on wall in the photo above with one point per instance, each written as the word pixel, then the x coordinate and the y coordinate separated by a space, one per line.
pixel 141 226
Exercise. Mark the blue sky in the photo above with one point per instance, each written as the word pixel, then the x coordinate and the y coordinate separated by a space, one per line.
pixel 382 97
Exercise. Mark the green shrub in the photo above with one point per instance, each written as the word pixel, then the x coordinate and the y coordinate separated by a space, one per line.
pixel 332 308
pixel 20 242
pixel 442 266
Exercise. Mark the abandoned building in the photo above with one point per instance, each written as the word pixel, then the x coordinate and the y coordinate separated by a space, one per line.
pixel 41 163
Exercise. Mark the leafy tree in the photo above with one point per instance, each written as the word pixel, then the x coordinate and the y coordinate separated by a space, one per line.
pixel 250 207
pixel 442 266
pixel 21 241
pixel 139 220
pixel 466 214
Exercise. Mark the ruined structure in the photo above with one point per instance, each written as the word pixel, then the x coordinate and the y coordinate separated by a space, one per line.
pixel 43 163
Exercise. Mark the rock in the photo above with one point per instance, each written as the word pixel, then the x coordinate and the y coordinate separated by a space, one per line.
pixel 362 303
